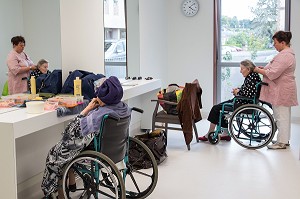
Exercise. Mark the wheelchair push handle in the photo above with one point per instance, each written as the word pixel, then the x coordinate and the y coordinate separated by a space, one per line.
pixel 137 109
pixel 264 83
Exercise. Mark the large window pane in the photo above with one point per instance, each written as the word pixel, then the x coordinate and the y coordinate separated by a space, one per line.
pixel 115 38
pixel 245 32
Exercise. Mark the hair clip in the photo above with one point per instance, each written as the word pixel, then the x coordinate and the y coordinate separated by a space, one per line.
pixel 148 78
pixel 134 78
pixel 139 78
pixel 127 78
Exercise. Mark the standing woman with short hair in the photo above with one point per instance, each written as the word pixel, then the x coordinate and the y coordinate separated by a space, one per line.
pixel 19 65
pixel 282 91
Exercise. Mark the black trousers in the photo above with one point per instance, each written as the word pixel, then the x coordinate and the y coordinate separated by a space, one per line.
pixel 215 112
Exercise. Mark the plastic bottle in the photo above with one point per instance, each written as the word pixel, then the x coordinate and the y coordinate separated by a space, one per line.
pixel 32 85
pixel 77 87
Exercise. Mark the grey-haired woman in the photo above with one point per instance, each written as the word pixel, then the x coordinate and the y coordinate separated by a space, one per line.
pixel 248 89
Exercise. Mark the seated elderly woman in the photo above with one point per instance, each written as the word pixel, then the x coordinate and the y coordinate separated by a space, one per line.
pixel 248 89
pixel 41 68
pixel 79 133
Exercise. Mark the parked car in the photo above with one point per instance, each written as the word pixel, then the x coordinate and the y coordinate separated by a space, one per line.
pixel 116 52
pixel 108 43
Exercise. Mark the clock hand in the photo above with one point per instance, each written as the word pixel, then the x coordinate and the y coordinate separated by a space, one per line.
pixel 191 5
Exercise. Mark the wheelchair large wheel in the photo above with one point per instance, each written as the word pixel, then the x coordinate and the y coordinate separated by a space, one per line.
pixel 142 173
pixel 252 126
pixel 96 177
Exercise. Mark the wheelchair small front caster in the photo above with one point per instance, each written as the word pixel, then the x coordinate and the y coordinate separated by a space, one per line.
pixel 213 139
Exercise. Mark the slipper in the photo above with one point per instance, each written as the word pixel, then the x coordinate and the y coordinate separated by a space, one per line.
pixel 226 137
pixel 203 139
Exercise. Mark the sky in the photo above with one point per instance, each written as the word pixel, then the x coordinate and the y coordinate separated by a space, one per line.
pixel 238 8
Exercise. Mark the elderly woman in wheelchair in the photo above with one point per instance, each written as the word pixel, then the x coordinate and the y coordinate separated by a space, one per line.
pixel 74 172
pixel 247 119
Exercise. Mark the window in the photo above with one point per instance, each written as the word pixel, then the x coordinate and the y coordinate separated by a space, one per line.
pixel 116 7
pixel 106 7
pixel 115 38
pixel 245 30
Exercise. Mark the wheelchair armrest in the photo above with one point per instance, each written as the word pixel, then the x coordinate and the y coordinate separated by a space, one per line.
pixel 164 101
pixel 243 97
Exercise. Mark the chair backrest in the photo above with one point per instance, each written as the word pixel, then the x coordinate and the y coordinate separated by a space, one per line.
pixel 113 138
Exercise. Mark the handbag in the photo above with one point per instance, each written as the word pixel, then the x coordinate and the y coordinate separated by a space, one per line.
pixel 156 141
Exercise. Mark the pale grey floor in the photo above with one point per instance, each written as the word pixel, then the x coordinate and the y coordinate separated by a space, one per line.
pixel 227 170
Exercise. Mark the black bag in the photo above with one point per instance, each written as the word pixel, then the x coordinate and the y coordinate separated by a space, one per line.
pixel 87 83
pixel 156 141
pixel 169 94
pixel 49 83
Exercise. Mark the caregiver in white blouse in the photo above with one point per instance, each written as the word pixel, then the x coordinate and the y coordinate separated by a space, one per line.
pixel 19 65
pixel 282 91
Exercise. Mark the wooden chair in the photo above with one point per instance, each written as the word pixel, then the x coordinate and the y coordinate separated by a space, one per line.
pixel 160 119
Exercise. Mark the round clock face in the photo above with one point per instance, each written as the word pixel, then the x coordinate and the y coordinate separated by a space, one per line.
pixel 190 7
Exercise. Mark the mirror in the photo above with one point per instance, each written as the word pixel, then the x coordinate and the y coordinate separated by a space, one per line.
pixel 43 34
pixel 31 20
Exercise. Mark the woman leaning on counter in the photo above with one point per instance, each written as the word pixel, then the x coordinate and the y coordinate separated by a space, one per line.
pixel 19 65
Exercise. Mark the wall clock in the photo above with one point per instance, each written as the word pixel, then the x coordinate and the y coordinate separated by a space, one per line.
pixel 190 7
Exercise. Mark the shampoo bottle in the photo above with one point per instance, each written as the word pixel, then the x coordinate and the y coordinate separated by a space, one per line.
pixel 32 85
pixel 77 87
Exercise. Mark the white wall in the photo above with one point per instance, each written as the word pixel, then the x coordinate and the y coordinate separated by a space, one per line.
pixel 190 48
pixel 154 39
pixel 42 30
pixel 82 35
pixel 295 20
pixel 11 24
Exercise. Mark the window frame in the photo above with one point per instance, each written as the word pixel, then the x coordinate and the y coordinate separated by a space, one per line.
pixel 218 63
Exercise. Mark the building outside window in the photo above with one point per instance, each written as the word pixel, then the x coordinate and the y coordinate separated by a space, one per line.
pixel 115 38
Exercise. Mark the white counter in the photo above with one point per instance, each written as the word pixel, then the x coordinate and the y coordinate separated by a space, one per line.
pixel 24 135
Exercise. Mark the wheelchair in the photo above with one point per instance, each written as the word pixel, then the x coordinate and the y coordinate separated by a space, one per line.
pixel 252 125
pixel 108 171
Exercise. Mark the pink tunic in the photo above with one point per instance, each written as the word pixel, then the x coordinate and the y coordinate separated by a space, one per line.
pixel 17 82
pixel 282 90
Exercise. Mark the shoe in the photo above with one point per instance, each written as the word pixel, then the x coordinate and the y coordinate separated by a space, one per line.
pixel 226 137
pixel 72 187
pixel 274 141
pixel 203 139
pixel 277 145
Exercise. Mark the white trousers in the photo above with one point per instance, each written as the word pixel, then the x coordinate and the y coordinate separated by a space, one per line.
pixel 282 116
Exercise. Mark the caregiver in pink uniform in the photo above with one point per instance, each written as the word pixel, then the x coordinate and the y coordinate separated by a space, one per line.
pixel 282 91
pixel 19 65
